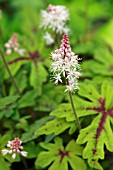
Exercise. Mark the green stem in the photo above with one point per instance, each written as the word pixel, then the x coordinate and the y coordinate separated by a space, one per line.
pixel 9 72
pixel 56 40
pixel 1 34
pixel 74 111
pixel 73 107
pixel 25 163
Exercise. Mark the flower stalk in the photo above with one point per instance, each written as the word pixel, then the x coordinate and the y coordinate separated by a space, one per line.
pixel 74 111
pixel 73 107
pixel 65 64
pixel 9 72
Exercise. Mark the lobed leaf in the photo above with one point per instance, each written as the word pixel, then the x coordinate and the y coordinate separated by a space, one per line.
pixel 60 157
pixel 56 126
pixel 99 133
pixel 30 133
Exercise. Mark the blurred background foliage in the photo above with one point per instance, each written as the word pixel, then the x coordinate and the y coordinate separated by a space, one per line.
pixel 91 37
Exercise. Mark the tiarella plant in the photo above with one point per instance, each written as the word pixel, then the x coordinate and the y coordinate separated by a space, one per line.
pixel 65 64
pixel 40 114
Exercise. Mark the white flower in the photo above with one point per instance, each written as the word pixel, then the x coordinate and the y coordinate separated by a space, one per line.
pixel 24 153
pixel 8 51
pixel 21 51
pixel 65 63
pixel 57 78
pixel 9 144
pixel 5 151
pixel 10 151
pixel 49 39
pixel 54 56
pixel 14 156
pixel 7 45
pixel 55 18
pixel 66 30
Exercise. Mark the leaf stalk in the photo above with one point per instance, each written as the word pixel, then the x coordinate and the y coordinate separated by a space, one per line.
pixel 9 72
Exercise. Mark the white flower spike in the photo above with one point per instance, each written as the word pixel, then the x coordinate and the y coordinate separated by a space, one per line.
pixel 65 63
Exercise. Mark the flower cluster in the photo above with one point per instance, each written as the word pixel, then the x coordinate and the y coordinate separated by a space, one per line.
pixel 65 63
pixel 15 147
pixel 13 45
pixel 54 18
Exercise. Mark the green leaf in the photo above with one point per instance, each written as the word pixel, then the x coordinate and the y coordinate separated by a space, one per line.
pixel 59 157
pixel 21 79
pixel 27 100
pixel 23 123
pixel 64 117
pixel 64 111
pixel 94 151
pixel 7 105
pixel 51 97
pixel 105 33
pixel 99 133
pixel 32 150
pixel 12 67
pixel 38 76
pixel 30 133
pixel 89 91
pixel 4 164
pixel 4 139
pixel 56 126
pixel 101 65
pixel 7 101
